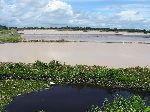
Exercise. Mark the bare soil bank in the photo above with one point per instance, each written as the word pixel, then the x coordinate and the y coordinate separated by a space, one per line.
pixel 104 54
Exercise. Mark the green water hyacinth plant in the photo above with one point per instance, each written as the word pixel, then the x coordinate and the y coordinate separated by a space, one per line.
pixel 10 88
pixel 137 78
pixel 120 104
pixel 20 78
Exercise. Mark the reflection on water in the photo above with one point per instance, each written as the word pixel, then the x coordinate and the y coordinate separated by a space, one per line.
pixel 67 99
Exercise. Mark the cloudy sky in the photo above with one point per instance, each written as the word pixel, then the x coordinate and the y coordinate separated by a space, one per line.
pixel 94 13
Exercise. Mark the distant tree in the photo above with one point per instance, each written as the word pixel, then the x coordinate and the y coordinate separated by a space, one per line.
pixel 3 27
pixel 144 31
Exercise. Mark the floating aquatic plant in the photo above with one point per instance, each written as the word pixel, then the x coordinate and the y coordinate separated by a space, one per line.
pixel 19 78
pixel 120 104
pixel 137 78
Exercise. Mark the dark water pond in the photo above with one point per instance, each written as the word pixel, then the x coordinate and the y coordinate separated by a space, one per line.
pixel 67 99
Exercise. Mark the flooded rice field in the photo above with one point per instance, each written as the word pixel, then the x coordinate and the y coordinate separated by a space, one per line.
pixel 104 54
pixel 68 99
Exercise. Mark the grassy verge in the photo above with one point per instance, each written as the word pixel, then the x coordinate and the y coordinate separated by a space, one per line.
pixel 9 36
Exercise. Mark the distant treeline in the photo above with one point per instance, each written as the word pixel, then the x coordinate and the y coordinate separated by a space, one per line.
pixel 79 29
pixel 3 27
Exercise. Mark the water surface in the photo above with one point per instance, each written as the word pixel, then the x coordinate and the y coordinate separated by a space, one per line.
pixel 89 37
pixel 72 53
pixel 67 99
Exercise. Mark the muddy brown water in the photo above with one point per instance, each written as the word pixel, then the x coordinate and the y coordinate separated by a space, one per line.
pixel 88 37
pixel 68 99
pixel 104 54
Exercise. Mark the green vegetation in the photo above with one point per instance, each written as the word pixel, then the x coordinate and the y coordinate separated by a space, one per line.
pixel 19 78
pixel 3 27
pixel 128 78
pixel 120 104
pixel 9 36
pixel 13 87
pixel 84 29
pixel 61 40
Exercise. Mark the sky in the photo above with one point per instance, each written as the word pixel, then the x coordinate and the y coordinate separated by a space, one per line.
pixel 85 13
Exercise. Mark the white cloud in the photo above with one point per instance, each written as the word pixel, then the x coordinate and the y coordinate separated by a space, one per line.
pixel 59 5
pixel 60 13
pixel 50 12
pixel 130 15
pixel 33 13
pixel 87 19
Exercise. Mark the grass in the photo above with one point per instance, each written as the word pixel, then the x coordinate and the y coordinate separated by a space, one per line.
pixel 9 36
pixel 19 78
